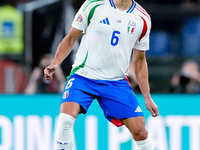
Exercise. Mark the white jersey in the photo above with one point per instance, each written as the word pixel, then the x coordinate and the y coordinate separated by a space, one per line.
pixel 109 35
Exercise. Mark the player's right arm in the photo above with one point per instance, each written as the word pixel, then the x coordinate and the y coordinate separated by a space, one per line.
pixel 79 26
pixel 62 52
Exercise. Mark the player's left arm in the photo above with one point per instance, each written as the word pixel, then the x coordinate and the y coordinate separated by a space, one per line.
pixel 141 72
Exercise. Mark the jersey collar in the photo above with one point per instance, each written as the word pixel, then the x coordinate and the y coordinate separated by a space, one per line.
pixel 128 11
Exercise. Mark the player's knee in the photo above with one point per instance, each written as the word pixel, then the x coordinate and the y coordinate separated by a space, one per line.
pixel 65 123
pixel 140 134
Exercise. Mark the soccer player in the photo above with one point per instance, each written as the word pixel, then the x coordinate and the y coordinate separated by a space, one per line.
pixel 112 30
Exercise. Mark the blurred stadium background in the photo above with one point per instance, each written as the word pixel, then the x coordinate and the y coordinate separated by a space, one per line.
pixel 27 122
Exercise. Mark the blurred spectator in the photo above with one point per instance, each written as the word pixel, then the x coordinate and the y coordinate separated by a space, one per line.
pixel 11 29
pixel 187 80
pixel 13 78
pixel 37 82
pixel 191 6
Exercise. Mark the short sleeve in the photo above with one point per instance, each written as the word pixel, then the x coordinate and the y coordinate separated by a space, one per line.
pixel 142 42
pixel 80 21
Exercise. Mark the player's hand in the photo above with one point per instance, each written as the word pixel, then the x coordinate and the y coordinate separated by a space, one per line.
pixel 152 107
pixel 49 72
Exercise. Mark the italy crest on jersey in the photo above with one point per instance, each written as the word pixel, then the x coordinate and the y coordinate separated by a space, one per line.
pixel 131 26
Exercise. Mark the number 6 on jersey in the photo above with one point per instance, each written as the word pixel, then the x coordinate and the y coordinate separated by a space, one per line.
pixel 115 39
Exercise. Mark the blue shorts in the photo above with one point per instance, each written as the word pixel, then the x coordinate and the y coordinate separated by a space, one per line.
pixel 116 98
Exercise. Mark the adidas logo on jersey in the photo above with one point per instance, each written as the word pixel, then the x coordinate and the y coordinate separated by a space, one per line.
pixel 138 109
pixel 105 21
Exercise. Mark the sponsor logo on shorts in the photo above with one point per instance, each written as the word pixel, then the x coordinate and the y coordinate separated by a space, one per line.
pixel 138 109
pixel 65 94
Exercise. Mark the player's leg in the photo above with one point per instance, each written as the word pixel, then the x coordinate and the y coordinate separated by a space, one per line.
pixel 75 99
pixel 120 102
pixel 64 133
pixel 70 108
pixel 136 126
